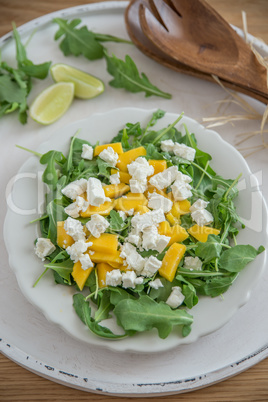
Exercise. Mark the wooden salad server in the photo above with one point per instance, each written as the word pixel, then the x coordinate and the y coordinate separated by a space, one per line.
pixel 134 16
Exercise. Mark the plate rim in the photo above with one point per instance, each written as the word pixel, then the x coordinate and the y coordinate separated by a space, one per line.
pixel 8 349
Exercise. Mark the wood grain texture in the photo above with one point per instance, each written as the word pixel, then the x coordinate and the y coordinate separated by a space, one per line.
pixel 18 384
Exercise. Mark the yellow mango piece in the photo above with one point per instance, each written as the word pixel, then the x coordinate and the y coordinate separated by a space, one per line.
pixel 177 234
pixel 106 243
pixel 123 176
pixel 115 190
pixel 142 209
pixel 112 259
pixel 80 275
pixel 180 208
pixel 127 157
pixel 103 209
pixel 158 165
pixel 171 261
pixel 63 239
pixel 102 269
pixel 201 233
pixel 117 147
pixel 171 218
pixel 164 228
pixel 129 201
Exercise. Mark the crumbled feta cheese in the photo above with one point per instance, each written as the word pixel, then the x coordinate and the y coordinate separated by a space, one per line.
pixel 199 204
pixel 123 215
pixel 76 250
pixel 115 178
pixel 151 266
pixel 95 192
pixel 183 177
pixel 156 284
pixel 44 247
pixel 167 146
pixel 75 188
pixel 162 243
pixel 139 280
pixel 181 191
pixel 114 278
pixel 140 222
pixel 150 238
pixel 192 263
pixel 134 239
pixel 129 279
pixel 202 217
pixel 137 186
pixel 175 298
pixel 97 225
pixel 130 212
pixel 164 179
pixel 74 228
pixel 133 259
pixel 109 156
pixel 184 151
pixel 86 262
pixel 158 201
pixel 87 152
pixel 140 169
pixel 72 210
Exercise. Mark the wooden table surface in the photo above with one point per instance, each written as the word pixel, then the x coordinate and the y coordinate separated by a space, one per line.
pixel 18 384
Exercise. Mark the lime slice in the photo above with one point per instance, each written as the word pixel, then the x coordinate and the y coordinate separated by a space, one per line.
pixel 52 103
pixel 86 86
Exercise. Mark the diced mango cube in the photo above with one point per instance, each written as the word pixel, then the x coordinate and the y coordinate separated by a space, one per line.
pixel 178 234
pixel 80 275
pixel 103 209
pixel 117 147
pixel 63 239
pixel 129 201
pixel 171 218
pixel 106 243
pixel 102 269
pixel 158 165
pixel 171 261
pixel 115 190
pixel 112 259
pixel 201 233
pixel 180 208
pixel 164 228
pixel 142 209
pixel 129 156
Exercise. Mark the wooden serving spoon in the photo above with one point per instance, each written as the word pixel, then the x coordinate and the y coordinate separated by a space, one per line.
pixel 193 33
pixel 132 20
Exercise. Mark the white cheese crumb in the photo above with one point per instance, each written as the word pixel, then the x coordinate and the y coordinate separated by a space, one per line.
pixel 109 156
pixel 115 178
pixel 129 279
pixel 87 152
pixel 74 228
pixel 181 190
pixel 192 263
pixel 133 259
pixel 85 262
pixel 156 284
pixel 140 222
pixel 137 186
pixel 199 204
pixel 123 215
pixel 97 225
pixel 44 247
pixel 114 278
pixel 76 250
pixel 202 217
pixel 184 151
pixel 95 192
pixel 140 169
pixel 167 146
pixel 158 201
pixel 164 179
pixel 75 188
pixel 175 298
pixel 74 209
pixel 151 266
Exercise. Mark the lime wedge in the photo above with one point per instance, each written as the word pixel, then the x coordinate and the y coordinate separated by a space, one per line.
pixel 86 86
pixel 52 103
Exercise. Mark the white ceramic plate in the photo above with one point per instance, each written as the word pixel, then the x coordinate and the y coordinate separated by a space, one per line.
pixel 55 301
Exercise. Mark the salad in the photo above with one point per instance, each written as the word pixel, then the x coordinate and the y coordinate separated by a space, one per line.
pixel 141 228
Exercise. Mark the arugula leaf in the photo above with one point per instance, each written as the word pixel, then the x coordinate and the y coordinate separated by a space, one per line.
pixel 236 258
pixel 144 314
pixel 64 268
pixel 83 311
pixel 126 75
pixel 210 249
